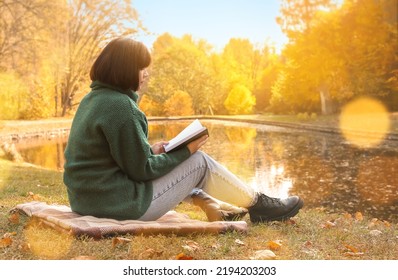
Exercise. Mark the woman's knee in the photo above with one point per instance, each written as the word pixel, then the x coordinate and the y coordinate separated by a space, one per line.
pixel 199 156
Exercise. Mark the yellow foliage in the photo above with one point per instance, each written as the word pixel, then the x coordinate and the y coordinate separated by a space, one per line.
pixel 179 104
pixel 240 100
pixel 150 107
pixel 13 96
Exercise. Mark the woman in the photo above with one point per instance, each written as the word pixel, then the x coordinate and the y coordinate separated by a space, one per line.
pixel 112 171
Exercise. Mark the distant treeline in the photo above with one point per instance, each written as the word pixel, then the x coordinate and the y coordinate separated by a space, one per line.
pixel 335 54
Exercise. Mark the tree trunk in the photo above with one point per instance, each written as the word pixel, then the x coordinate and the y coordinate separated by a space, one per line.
pixel 326 102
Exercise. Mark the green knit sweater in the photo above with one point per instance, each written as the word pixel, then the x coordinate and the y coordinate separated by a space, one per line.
pixel 110 165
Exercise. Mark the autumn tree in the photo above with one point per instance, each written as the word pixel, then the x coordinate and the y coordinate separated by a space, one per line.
pixel 24 34
pixel 182 64
pixel 240 100
pixel 371 57
pixel 343 53
pixel 241 70
pixel 19 23
pixel 13 94
pixel 88 26
pixel 179 104
pixel 266 78
pixel 311 69
pixel 52 44
pixel 150 107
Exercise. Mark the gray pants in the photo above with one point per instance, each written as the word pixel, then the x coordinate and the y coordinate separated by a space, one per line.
pixel 199 171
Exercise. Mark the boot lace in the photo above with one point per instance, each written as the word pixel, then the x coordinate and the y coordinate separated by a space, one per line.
pixel 271 200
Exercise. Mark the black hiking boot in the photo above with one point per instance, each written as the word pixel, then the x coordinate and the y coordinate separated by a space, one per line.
pixel 269 209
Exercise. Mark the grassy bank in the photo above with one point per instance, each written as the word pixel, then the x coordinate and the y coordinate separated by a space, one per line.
pixel 313 234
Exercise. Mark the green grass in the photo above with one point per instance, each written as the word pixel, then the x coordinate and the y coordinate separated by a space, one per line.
pixel 312 234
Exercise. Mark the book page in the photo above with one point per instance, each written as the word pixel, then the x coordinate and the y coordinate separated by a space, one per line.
pixel 185 134
pixel 188 131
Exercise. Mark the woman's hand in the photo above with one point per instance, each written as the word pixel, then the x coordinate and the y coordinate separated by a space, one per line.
pixel 196 144
pixel 158 148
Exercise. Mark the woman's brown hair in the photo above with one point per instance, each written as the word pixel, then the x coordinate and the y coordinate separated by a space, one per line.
pixel 120 62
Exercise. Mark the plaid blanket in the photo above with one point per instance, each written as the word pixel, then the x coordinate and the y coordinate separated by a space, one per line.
pixel 61 217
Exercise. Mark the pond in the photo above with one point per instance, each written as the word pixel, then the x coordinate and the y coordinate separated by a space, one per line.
pixel 324 169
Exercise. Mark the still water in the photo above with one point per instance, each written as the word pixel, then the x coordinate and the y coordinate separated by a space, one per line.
pixel 324 169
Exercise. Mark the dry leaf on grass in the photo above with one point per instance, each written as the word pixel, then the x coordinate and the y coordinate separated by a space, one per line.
pixel 120 240
pixel 14 217
pixel 351 248
pixel 352 254
pixel 5 242
pixel 263 255
pixel 358 216
pixel 274 245
pixel 347 216
pixel 182 256
pixel 33 196
pixel 386 224
pixel 328 224
pixel 352 251
pixel 239 242
pixel 191 245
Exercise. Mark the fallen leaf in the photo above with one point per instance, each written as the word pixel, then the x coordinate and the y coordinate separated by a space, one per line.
pixel 351 248
pixel 274 245
pixel 358 216
pixel 5 242
pixel 328 224
pixel 33 196
pixel 120 240
pixel 386 224
pixel 14 218
pixel 263 255
pixel 239 242
pixel 347 216
pixel 191 245
pixel 9 234
pixel 182 256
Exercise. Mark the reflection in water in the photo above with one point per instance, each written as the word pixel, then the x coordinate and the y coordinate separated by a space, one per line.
pixel 324 169
pixel 46 153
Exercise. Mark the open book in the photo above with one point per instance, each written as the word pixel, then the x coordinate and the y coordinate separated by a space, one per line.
pixel 190 133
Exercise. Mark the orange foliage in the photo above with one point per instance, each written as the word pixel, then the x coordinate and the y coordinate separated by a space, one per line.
pixel 179 104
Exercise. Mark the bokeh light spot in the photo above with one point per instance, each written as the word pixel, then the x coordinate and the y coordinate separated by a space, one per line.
pixel 364 122
pixel 45 242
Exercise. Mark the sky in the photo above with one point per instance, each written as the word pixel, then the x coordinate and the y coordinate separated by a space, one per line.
pixel 215 21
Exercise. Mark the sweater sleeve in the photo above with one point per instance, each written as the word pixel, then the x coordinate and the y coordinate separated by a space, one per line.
pixel 132 152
